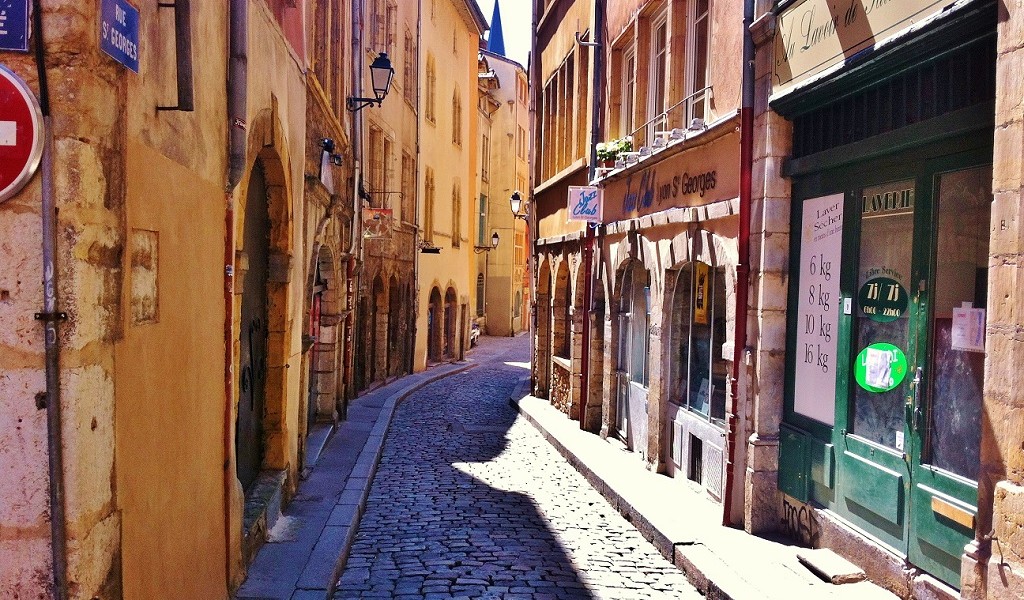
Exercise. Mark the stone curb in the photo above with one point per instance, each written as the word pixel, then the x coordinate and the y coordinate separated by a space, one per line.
pixel 692 558
pixel 349 510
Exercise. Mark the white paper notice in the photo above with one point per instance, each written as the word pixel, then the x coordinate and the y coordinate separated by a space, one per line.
pixel 821 250
pixel 969 329
pixel 878 367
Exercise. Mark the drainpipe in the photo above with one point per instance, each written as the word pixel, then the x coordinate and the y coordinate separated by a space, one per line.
pixel 50 316
pixel 237 92
pixel 413 330
pixel 355 251
pixel 588 232
pixel 733 471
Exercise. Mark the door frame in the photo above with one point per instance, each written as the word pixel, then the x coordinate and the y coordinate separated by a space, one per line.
pixel 857 471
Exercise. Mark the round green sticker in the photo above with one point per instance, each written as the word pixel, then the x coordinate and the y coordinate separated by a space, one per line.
pixel 880 367
pixel 882 299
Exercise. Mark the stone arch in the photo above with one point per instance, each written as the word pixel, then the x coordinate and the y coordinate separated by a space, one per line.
pixel 266 180
pixel 451 329
pixel 320 341
pixel 395 322
pixel 561 337
pixel 591 414
pixel 378 330
pixel 542 359
pixel 435 311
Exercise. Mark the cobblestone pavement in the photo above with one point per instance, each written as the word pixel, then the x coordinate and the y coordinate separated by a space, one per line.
pixel 471 502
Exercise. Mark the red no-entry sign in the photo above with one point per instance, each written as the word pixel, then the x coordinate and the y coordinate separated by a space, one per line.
pixel 21 133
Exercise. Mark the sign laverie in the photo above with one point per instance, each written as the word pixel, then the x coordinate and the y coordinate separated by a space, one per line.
pixel 586 204
pixel 812 36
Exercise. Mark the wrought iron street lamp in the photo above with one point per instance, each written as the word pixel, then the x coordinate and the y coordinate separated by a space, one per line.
pixel 494 244
pixel 381 74
pixel 516 202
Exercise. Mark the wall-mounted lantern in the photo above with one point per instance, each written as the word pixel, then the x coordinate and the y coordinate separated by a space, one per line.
pixel 381 74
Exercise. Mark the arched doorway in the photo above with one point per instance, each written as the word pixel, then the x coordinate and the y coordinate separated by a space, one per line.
pixel 451 312
pixel 378 331
pixel 542 360
pixel 561 339
pixel 632 355
pixel 394 321
pixel 252 396
pixel 434 324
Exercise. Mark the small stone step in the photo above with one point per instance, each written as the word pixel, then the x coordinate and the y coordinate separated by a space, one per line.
pixel 830 567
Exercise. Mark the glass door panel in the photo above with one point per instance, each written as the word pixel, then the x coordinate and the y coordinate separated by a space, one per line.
pixel 952 435
pixel 882 315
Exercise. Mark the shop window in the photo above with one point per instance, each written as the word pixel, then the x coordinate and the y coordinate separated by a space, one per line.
pixel 700 322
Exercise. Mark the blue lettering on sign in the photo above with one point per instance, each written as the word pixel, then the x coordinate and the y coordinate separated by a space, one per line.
pixel 119 32
pixel 14 25
pixel 583 207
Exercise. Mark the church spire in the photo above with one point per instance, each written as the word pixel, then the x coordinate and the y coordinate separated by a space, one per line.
pixel 496 41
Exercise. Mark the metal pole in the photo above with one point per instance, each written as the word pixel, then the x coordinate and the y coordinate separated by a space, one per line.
pixel 51 317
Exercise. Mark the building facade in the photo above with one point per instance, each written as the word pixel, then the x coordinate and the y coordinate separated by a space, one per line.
pixel 888 161
pixel 639 300
pixel 449 42
pixel 502 280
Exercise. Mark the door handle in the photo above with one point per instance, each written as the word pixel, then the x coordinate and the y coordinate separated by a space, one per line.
pixel 915 385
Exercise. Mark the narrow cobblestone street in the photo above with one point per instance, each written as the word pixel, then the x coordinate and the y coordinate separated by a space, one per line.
pixel 469 501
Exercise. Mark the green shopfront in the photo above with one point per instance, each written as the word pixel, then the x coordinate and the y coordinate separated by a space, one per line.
pixel 891 106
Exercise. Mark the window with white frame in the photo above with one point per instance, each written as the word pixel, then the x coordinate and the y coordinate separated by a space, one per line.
pixel 657 91
pixel 627 113
pixel 698 90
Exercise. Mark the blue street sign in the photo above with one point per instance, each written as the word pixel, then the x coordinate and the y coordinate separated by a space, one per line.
pixel 119 32
pixel 14 25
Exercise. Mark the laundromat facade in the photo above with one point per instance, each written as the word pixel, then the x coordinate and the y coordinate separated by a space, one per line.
pixel 891 108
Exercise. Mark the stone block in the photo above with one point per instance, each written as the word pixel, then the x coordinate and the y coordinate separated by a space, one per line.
pixel 26 560
pixel 771 290
pixel 88 428
pixel 1010 83
pixel 1007 224
pixel 1008 146
pixel 93 556
pixel 23 455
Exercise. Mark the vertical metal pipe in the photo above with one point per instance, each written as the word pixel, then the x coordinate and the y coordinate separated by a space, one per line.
pixel 588 233
pixel 53 417
pixel 743 263
pixel 237 99
pixel 51 318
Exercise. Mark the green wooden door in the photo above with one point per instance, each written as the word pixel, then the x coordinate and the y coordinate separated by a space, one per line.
pixel 907 428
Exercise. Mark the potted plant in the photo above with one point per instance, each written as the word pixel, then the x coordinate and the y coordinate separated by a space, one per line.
pixel 607 152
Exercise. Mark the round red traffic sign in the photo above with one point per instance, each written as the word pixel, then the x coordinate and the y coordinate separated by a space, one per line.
pixel 21 133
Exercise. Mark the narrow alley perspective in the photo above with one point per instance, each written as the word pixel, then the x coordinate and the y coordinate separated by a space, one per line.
pixel 470 501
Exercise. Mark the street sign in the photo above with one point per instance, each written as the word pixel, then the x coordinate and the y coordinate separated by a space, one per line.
pixel 14 25
pixel 21 133
pixel 119 32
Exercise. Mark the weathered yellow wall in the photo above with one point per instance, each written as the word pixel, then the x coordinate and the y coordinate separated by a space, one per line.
pixel 455 54
pixel 169 372
pixel 170 391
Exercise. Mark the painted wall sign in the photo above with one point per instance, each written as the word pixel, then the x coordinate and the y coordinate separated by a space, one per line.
pixel 377 223
pixel 818 305
pixel 692 178
pixel 21 134
pixel 880 367
pixel 119 32
pixel 882 299
pixel 813 35
pixel 880 201
pixel 586 204
pixel 968 329
pixel 14 25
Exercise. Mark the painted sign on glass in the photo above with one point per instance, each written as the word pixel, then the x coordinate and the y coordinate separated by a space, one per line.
pixel 814 388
